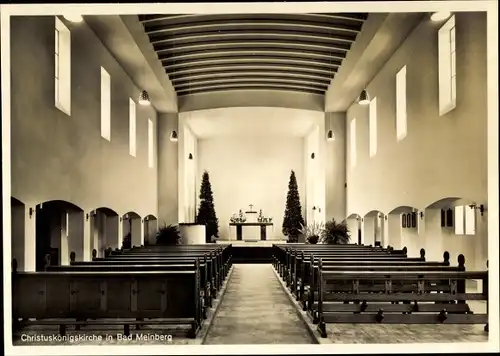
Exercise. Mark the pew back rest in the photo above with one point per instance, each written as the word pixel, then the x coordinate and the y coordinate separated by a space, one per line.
pixel 160 294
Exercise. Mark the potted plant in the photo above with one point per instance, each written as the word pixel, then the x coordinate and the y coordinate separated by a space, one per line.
pixel 168 235
pixel 335 233
pixel 312 232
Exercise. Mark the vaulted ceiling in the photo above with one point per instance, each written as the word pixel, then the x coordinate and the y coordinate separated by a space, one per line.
pixel 227 52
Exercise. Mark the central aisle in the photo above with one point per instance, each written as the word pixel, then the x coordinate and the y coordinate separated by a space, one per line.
pixel 255 310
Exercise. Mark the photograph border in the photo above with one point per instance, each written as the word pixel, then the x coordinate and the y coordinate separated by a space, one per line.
pixel 490 6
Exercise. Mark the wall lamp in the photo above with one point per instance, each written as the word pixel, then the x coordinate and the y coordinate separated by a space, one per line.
pixel 173 136
pixel 440 16
pixel 480 208
pixel 421 215
pixel 144 99
pixel 73 17
pixel 313 155
pixel 364 98
pixel 190 156
pixel 30 212
pixel 330 136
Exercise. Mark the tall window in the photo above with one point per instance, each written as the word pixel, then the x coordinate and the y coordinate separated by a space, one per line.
pixel 132 128
pixel 373 127
pixel 150 144
pixel 459 220
pixel 353 154
pixel 447 67
pixel 105 104
pixel 401 118
pixel 62 67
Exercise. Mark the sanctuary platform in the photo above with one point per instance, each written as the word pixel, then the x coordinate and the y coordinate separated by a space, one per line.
pixel 252 251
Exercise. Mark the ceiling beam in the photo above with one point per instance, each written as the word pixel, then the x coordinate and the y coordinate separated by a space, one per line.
pixel 261 60
pixel 195 47
pixel 245 52
pixel 250 66
pixel 251 87
pixel 217 36
pixel 246 25
pixel 146 19
pixel 257 80
pixel 247 73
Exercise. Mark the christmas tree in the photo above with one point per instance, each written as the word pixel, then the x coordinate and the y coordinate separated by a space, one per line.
pixel 293 220
pixel 206 211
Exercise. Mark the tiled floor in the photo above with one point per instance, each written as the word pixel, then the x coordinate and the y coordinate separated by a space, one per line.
pixel 409 333
pixel 255 310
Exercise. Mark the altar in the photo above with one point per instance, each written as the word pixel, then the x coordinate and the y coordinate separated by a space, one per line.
pixel 250 226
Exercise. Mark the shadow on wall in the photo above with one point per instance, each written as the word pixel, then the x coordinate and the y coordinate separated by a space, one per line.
pixel 458 226
pixel 403 227
pixel 354 225
pixel 18 223
pixel 133 233
pixel 373 228
pixel 104 229
pixel 150 230
pixel 59 230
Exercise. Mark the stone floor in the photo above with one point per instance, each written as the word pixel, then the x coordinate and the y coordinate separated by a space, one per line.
pixel 255 310
pixel 410 333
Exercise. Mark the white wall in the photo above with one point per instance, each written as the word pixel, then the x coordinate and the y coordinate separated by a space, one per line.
pixel 314 172
pixel 251 170
pixel 442 156
pixel 61 157
pixel 187 144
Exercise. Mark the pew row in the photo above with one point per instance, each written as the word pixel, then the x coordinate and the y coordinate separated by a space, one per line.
pixel 74 297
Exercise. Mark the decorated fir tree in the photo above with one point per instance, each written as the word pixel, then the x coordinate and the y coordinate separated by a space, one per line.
pixel 206 211
pixel 293 220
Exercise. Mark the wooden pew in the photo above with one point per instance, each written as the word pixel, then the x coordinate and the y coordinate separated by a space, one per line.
pixel 307 276
pixel 222 256
pixel 208 290
pixel 376 304
pixel 294 261
pixel 70 298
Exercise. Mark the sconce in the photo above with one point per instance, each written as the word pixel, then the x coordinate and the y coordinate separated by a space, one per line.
pixel 358 218
pixel 31 212
pixel 121 219
pixel 362 219
pixel 144 98
pixel 173 136
pixel 480 208
pixel 330 136
pixel 364 98
pixel 421 215
pixel 87 217
pixel 190 156
pixel 142 220
pixel 312 155
pixel 385 217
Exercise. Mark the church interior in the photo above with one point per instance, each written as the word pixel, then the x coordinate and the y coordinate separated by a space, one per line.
pixel 263 177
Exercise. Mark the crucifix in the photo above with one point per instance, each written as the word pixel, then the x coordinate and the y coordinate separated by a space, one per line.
pixel 251 206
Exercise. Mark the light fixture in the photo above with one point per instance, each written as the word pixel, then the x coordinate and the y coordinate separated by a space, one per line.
pixel 73 17
pixel 313 155
pixel 330 136
pixel 364 98
pixel 190 156
pixel 144 98
pixel 173 136
pixel 440 16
